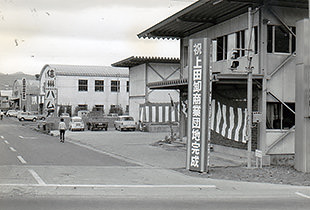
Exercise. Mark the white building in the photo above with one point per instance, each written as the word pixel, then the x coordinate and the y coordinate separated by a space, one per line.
pixel 147 105
pixel 69 88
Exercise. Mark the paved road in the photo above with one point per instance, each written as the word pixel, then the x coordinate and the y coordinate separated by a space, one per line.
pixel 117 170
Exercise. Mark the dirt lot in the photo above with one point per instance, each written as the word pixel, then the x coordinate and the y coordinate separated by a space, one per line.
pixel 271 174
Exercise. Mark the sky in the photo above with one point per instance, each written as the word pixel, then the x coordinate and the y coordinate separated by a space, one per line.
pixel 80 32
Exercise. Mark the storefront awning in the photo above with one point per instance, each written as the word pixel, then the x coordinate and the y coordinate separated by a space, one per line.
pixel 207 13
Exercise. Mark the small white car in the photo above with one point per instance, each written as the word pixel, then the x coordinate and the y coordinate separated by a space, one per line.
pixel 125 123
pixel 11 113
pixel 76 123
pixel 26 116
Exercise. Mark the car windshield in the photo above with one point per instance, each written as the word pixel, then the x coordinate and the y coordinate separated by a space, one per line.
pixel 77 120
pixel 127 119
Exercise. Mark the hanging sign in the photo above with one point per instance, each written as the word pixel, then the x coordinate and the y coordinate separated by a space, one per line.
pixel 199 99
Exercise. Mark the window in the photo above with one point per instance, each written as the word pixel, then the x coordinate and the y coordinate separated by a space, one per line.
pixel 98 108
pixel 115 86
pixel 279 40
pixel 255 40
pixel 127 86
pixel 185 56
pixel 82 106
pixel 279 116
pixel 83 85
pixel 221 48
pixel 99 85
pixel 240 43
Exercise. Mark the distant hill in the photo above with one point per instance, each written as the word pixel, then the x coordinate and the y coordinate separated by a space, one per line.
pixel 6 80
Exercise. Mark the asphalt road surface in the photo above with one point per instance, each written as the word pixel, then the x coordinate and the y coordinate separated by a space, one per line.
pixel 39 172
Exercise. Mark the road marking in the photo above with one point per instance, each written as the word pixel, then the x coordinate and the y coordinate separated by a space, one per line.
pixel 5 141
pixel 37 177
pixel 21 137
pixel 21 159
pixel 302 195
pixel 109 186
pixel 12 149
pixel 2 137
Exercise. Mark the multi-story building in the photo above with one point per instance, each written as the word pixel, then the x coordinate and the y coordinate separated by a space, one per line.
pixel 257 34
pixel 70 88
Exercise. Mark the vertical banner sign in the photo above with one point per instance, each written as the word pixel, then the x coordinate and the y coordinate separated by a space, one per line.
pixel 50 90
pixel 24 89
pixel 199 96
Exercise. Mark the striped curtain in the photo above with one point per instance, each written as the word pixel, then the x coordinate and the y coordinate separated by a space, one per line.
pixel 229 122
pixel 159 113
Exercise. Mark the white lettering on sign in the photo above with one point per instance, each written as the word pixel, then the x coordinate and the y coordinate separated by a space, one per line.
pixel 258 153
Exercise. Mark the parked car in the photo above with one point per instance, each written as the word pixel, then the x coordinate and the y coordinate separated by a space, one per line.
pixel 39 116
pixel 95 120
pixel 26 116
pixel 76 123
pixel 125 123
pixel 11 113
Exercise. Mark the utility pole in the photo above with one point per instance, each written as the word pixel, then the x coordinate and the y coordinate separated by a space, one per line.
pixel 249 92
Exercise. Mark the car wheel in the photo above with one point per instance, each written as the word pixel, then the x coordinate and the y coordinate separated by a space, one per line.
pixel 34 119
pixel 106 128
pixel 22 119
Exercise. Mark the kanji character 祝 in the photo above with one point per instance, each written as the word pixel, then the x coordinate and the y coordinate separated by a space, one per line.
pixel 198 48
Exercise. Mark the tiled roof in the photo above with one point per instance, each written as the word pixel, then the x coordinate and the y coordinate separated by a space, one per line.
pixel 92 71
pixel 138 60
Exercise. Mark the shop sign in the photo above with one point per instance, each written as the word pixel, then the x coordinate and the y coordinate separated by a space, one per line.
pixel 199 96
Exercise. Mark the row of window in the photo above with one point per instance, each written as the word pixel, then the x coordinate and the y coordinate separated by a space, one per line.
pixel 226 43
pixel 279 40
pixel 99 85
pixel 100 107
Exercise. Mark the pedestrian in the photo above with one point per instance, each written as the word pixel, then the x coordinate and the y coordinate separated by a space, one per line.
pixel 62 129
pixel 1 114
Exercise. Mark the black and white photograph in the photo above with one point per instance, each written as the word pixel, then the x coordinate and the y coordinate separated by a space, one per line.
pixel 154 104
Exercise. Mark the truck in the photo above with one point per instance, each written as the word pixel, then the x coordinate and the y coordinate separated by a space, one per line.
pixel 95 121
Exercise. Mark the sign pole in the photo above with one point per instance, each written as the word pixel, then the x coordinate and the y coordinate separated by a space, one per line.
pixel 199 94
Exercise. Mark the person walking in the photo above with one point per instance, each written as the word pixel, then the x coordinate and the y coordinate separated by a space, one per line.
pixel 1 114
pixel 62 129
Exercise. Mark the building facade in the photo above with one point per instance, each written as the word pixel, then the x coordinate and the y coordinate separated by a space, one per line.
pixel 260 35
pixel 152 106
pixel 26 95
pixel 70 88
